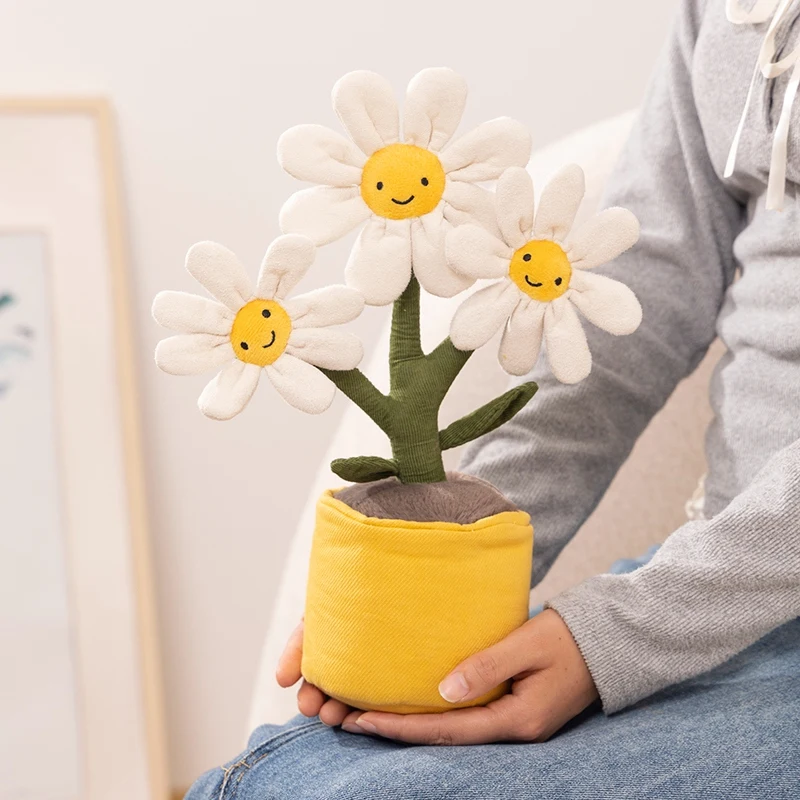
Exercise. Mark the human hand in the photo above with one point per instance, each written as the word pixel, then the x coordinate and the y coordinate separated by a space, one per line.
pixel 551 684
pixel 311 701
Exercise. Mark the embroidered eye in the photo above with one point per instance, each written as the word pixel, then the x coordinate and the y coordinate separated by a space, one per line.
pixel 424 181
pixel 266 313
pixel 558 281
pixel 379 185
pixel 244 345
pixel 526 257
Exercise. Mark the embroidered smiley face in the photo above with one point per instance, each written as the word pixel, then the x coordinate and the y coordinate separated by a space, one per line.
pixel 541 269
pixel 260 332
pixel 401 181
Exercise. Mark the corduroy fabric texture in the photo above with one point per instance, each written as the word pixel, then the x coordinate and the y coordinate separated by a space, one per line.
pixel 393 606
pixel 409 414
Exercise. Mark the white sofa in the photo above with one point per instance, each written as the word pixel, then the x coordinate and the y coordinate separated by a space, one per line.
pixel 645 502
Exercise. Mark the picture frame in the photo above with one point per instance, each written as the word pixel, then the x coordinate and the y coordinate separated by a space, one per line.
pixel 60 194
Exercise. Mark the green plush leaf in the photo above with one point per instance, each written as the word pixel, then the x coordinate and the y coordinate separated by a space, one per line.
pixel 364 469
pixel 487 417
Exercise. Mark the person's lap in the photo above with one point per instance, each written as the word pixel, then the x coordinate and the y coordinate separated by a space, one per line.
pixel 732 733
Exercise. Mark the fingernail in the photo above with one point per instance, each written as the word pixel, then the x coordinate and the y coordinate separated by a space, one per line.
pixel 454 687
pixel 351 727
pixel 366 725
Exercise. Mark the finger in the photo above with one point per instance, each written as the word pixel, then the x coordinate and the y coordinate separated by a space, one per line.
pixel 310 699
pixel 288 671
pixel 489 668
pixel 461 726
pixel 333 712
pixel 349 722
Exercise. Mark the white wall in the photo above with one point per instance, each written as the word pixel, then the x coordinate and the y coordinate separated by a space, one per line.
pixel 202 91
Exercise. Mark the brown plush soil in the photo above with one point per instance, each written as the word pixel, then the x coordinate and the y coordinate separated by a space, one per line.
pixel 461 498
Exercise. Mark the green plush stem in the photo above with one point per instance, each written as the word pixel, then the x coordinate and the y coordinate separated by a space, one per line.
pixel 409 414
pixel 488 417
pixel 447 361
pixel 358 387
pixel 415 443
pixel 405 341
pixel 417 389
pixel 363 469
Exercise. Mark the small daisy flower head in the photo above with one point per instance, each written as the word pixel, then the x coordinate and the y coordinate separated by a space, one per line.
pixel 250 331
pixel 409 189
pixel 543 267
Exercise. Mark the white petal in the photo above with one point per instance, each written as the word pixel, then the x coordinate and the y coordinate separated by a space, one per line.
pixel 515 206
pixel 603 237
pixel 522 338
pixel 327 348
pixel 193 353
pixel 331 305
pixel 324 213
pixel 482 154
pixel 480 316
pixel 465 203
pixel 475 253
pixel 567 349
pixel 229 393
pixel 365 104
pixel 428 257
pixel 559 204
pixel 318 154
pixel 380 263
pixel 435 101
pixel 190 313
pixel 286 261
pixel 220 272
pixel 301 385
pixel 607 303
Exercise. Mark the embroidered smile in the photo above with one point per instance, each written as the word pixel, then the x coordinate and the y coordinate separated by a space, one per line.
pixel 403 202
pixel 557 282
pixel 246 346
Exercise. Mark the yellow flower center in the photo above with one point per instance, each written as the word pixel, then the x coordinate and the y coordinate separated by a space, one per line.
pixel 400 181
pixel 541 269
pixel 260 332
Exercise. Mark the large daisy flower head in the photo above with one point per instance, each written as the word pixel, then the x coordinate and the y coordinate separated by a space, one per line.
pixel 543 268
pixel 408 190
pixel 248 332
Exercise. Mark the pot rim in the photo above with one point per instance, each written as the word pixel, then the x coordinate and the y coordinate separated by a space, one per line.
pixel 519 517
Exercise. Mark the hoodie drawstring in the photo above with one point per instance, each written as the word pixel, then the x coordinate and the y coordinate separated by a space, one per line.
pixel 761 11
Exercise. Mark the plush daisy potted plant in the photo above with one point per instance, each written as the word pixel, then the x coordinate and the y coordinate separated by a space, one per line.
pixel 412 569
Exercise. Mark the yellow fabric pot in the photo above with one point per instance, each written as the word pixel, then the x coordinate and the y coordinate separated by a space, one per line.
pixel 393 606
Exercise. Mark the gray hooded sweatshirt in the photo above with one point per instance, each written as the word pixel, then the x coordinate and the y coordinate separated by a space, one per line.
pixel 718 585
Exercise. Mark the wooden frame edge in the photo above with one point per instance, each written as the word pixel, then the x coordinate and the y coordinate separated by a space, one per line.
pixel 151 671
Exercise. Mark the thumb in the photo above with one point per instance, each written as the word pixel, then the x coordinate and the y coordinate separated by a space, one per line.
pixel 489 668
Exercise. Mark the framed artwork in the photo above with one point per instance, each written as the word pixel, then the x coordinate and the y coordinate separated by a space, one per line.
pixel 81 710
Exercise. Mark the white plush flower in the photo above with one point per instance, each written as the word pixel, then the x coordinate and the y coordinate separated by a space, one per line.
pixel 543 266
pixel 409 190
pixel 247 333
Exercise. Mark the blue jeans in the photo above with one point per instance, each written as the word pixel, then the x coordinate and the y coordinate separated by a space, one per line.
pixel 730 734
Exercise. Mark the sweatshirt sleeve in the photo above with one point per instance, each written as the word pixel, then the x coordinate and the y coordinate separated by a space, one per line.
pixel 556 458
pixel 713 588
